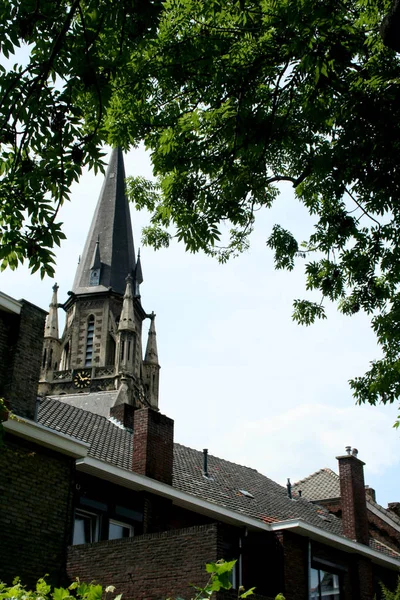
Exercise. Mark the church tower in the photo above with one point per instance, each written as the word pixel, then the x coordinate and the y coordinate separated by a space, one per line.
pixel 98 361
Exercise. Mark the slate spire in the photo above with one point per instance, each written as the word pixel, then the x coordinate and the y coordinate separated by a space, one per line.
pixel 109 246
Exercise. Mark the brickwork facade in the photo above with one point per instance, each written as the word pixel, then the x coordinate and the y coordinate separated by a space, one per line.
pixel 21 342
pixel 36 504
pixel 152 566
pixel 294 552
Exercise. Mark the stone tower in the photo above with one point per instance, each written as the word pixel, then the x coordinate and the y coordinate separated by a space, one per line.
pixel 98 361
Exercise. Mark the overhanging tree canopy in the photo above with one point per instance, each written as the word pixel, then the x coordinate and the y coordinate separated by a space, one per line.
pixel 230 98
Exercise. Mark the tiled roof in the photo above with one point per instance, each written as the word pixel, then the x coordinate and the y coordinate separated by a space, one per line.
pixel 322 485
pixel 107 441
pixel 226 484
pixel 380 547
pixel 226 481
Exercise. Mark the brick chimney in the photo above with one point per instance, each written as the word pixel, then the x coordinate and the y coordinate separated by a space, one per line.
pixel 153 445
pixel 394 507
pixel 370 493
pixel 353 498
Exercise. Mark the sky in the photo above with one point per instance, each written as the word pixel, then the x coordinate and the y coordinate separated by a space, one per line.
pixel 238 376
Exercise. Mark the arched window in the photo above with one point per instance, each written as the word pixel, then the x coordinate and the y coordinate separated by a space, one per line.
pixel 89 341
pixel 50 358
pixel 65 358
pixel 44 358
pixel 110 352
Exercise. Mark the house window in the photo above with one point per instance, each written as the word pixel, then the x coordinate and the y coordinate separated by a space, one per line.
pixel 89 342
pixel 118 530
pixel 324 585
pixel 86 527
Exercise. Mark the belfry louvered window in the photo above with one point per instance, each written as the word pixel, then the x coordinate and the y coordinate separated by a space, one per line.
pixel 89 342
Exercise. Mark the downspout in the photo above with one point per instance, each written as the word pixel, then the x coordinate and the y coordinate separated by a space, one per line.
pixel 309 569
pixel 240 561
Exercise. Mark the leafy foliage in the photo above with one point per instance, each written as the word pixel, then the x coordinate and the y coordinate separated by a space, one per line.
pixel 76 591
pixel 388 595
pixel 230 98
pixel 59 61
pixel 241 96
pixel 220 579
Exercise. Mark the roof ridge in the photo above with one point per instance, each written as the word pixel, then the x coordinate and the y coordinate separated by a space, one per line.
pixel 386 511
pixel 389 548
pixel 223 459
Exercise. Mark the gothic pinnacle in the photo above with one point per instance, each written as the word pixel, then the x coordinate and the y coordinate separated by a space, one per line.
pixel 51 326
pixel 127 318
pixel 151 356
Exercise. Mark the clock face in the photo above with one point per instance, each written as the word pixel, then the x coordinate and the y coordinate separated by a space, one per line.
pixel 82 379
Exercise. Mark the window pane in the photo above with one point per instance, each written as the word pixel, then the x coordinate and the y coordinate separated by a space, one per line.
pixel 86 528
pixel 117 531
pixel 314 591
pixel 324 585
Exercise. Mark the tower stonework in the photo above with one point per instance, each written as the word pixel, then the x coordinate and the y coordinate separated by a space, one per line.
pixel 97 363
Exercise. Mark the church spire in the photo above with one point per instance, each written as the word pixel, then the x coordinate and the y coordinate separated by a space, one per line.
pixel 109 255
pixel 51 326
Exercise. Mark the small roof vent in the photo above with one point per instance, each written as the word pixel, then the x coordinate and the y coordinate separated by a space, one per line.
pixel 246 493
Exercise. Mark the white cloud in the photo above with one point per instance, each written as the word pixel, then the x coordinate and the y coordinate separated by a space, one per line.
pixel 299 441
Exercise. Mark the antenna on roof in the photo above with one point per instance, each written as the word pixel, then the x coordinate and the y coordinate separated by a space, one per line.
pixel 205 462
pixel 289 488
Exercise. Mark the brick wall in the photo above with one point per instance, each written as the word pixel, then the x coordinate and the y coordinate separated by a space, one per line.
pixel 21 343
pixel 295 566
pixel 383 532
pixel 378 528
pixel 153 445
pixel 8 323
pixel 35 511
pixel 152 566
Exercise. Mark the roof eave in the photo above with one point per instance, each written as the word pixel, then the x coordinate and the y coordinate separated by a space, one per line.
pixel 132 480
pixel 44 436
